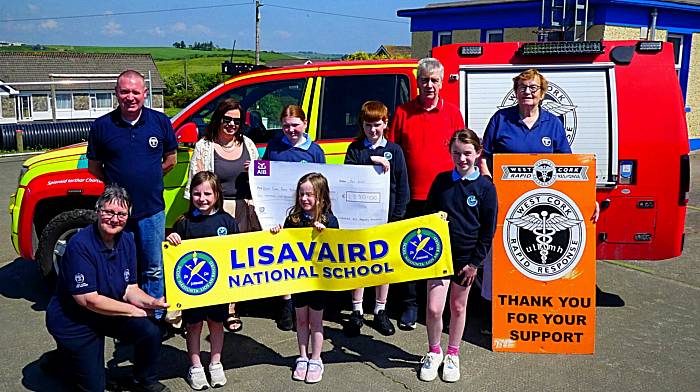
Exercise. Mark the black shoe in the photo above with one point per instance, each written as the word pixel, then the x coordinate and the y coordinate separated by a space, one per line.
pixel 382 324
pixel 129 384
pixel 354 324
pixel 286 320
pixel 407 322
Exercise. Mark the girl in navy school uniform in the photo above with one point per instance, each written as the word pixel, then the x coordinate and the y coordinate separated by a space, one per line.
pixel 371 148
pixel 205 218
pixel 293 146
pixel 469 200
pixel 312 209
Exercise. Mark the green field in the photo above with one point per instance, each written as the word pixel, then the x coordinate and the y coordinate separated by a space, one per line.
pixel 158 53
pixel 210 64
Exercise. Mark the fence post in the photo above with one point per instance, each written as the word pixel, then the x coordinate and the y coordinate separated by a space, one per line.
pixel 20 140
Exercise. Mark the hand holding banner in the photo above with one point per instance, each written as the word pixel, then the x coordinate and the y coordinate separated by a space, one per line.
pixel 216 270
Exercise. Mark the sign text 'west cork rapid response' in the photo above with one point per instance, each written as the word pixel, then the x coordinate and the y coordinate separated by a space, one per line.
pixel 232 268
pixel 544 254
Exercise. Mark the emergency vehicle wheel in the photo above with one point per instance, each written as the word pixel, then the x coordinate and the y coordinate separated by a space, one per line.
pixel 54 237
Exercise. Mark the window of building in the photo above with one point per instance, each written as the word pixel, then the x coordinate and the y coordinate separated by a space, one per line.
pixel 64 101
pixel 101 100
pixel 8 106
pixel 444 38
pixel 343 96
pixel 40 103
pixel 25 107
pixel 262 104
pixel 157 100
pixel 81 101
pixel 494 35
pixel 677 41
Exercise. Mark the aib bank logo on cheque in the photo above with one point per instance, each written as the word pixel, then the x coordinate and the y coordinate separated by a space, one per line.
pixel 421 248
pixel 196 273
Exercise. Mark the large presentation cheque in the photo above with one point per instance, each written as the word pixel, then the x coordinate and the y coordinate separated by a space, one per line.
pixel 359 194
pixel 239 267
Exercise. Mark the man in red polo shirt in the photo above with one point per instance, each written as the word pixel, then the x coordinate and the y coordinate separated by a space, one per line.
pixel 423 127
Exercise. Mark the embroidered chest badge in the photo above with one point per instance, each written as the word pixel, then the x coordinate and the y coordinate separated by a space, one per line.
pixel 546 141
pixel 221 231
pixel 472 201
pixel 153 142
pixel 388 155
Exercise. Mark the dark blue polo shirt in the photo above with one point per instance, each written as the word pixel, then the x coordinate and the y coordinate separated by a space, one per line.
pixel 132 156
pixel 89 266
pixel 280 149
pixel 471 206
pixel 506 133
pixel 195 225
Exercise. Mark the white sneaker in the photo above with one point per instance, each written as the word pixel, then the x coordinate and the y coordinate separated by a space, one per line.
pixel 218 378
pixel 450 368
pixel 430 364
pixel 197 378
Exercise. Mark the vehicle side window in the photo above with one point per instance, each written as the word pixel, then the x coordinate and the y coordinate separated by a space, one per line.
pixel 262 104
pixel 342 97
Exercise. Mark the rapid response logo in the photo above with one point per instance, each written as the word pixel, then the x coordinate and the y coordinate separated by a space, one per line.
pixel 195 273
pixel 421 248
pixel 555 101
pixel 153 142
pixel 545 173
pixel 544 234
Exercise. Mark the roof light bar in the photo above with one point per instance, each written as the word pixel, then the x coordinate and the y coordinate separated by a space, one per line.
pixel 561 48
pixel 649 46
pixel 470 51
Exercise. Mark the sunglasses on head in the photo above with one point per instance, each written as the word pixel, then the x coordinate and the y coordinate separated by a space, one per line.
pixel 229 120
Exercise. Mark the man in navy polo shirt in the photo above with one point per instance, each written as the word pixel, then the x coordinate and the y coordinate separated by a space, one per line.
pixel 97 296
pixel 134 147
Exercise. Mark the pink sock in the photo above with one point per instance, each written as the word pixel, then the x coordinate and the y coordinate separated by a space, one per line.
pixel 452 350
pixel 435 348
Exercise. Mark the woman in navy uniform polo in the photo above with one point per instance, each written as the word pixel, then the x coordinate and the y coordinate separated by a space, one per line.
pixel 97 295
pixel 524 128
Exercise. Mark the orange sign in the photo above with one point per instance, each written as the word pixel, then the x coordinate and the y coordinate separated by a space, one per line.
pixel 544 254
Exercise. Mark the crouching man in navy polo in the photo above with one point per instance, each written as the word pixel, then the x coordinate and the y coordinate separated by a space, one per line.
pixel 97 296
pixel 134 147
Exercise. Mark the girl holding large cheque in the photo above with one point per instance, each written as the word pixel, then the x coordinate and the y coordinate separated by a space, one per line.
pixel 205 218
pixel 312 209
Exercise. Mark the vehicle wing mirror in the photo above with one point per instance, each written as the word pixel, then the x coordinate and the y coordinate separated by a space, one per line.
pixel 187 133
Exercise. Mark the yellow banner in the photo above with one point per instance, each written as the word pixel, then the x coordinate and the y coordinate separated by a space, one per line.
pixel 217 270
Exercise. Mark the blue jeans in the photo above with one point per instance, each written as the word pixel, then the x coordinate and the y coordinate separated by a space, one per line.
pixel 149 233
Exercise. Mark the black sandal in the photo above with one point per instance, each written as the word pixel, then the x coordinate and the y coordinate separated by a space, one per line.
pixel 233 323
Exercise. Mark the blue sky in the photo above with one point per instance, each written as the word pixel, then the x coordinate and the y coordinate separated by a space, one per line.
pixel 282 29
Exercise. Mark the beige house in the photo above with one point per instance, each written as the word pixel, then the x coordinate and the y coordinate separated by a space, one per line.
pixel 59 86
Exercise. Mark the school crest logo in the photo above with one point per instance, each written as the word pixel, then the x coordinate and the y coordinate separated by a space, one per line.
pixel 421 248
pixel 544 234
pixel 555 101
pixel 127 275
pixel 221 231
pixel 546 141
pixel 153 142
pixel 472 201
pixel 388 155
pixel 196 273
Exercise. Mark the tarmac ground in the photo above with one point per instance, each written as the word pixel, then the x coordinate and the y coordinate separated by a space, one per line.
pixel 646 336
